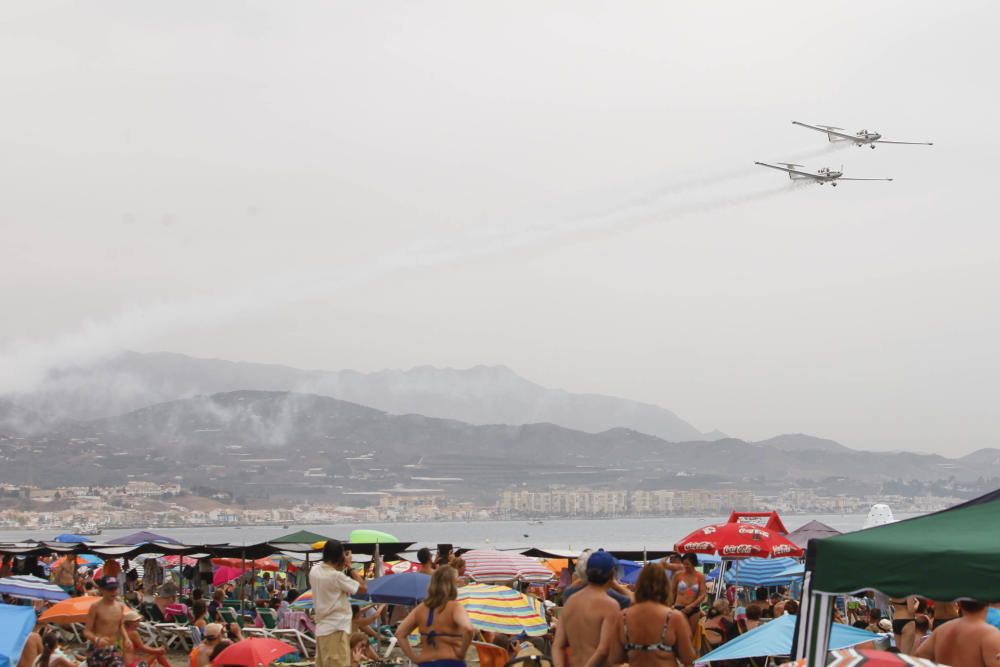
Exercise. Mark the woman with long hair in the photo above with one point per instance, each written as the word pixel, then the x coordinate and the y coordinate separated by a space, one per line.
pixel 689 591
pixel 651 633
pixel 52 654
pixel 445 628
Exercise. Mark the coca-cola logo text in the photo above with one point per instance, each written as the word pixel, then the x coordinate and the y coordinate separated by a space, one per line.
pixel 740 549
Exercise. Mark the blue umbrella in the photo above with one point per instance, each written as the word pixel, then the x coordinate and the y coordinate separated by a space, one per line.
pixel 28 587
pixel 628 571
pixel 775 638
pixel 406 589
pixel 15 626
pixel 71 537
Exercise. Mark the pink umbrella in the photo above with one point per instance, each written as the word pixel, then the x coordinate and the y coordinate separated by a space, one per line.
pixel 492 566
pixel 225 574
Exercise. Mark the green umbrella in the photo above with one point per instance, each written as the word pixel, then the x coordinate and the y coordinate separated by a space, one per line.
pixel 301 537
pixel 367 536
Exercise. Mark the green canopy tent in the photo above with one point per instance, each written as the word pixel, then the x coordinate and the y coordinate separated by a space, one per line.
pixel 901 559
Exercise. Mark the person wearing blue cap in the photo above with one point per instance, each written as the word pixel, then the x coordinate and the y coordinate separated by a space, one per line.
pixel 588 625
pixel 621 595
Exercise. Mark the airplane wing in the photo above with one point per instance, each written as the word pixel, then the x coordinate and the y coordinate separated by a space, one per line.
pixel 908 143
pixel 863 179
pixel 790 171
pixel 829 130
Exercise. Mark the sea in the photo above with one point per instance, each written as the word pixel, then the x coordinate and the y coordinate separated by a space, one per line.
pixel 556 534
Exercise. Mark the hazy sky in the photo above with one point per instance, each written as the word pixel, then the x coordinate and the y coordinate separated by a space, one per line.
pixel 180 161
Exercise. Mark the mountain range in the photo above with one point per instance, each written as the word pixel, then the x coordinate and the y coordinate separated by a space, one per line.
pixel 180 417
pixel 478 395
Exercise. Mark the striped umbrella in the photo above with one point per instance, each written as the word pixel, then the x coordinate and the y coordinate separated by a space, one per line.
pixel 849 657
pixel 758 572
pixel 304 601
pixel 27 587
pixel 490 566
pixel 502 609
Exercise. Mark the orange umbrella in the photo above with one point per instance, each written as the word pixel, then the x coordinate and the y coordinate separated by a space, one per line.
pixel 79 561
pixel 557 565
pixel 73 610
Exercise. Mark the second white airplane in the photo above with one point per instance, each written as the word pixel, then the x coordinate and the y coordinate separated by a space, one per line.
pixel 860 138
pixel 824 175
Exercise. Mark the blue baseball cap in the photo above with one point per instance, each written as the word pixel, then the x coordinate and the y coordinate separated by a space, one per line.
pixel 601 561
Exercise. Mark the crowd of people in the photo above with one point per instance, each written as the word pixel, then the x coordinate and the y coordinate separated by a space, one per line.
pixel 670 614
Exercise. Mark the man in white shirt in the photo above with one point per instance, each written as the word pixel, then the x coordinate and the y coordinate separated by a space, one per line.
pixel 333 582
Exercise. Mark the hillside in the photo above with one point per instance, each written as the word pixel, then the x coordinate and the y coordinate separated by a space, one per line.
pixel 478 395
pixel 281 441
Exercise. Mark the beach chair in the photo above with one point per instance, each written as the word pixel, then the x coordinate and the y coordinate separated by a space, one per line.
pixel 490 655
pixel 296 638
pixel 229 615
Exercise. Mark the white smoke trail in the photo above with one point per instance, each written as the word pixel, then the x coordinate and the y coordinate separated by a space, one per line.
pixel 25 364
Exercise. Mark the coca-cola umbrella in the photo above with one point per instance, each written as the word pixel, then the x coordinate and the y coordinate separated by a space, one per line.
pixel 738 540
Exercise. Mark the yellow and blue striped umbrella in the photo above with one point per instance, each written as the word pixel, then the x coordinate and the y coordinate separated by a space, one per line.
pixel 502 609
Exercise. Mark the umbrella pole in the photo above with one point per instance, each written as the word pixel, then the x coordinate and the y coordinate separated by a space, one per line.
pixel 243 569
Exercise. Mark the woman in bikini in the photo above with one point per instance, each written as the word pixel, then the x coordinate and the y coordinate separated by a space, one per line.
pixel 651 633
pixel 445 628
pixel 903 612
pixel 689 591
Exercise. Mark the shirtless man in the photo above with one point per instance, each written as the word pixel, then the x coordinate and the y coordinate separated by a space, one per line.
pixel 105 627
pixel 64 574
pixel 588 625
pixel 968 641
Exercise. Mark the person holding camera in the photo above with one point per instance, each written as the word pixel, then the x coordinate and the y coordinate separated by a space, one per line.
pixel 333 582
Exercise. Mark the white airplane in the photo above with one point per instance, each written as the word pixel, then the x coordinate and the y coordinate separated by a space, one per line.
pixel 824 175
pixel 861 138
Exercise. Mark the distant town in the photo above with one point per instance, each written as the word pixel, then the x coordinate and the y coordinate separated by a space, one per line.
pixel 148 504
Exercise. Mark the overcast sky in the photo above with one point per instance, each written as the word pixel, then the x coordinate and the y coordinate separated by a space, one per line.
pixel 166 159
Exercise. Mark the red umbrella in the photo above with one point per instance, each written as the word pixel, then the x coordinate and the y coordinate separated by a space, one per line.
pixel 738 540
pixel 253 652
pixel 259 564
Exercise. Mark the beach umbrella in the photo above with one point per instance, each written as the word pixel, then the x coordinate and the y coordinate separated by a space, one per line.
pixel 253 652
pixel 403 566
pixel 492 566
pixel 82 559
pixel 406 589
pixel 869 658
pixel 367 536
pixel 300 537
pixel 224 575
pixel 775 638
pixel 71 538
pixel 27 587
pixel 259 564
pixel 16 624
pixel 814 530
pixel 144 537
pixel 304 601
pixel 557 565
pixel 759 572
pixel 738 540
pixel 72 610
pixel 502 609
